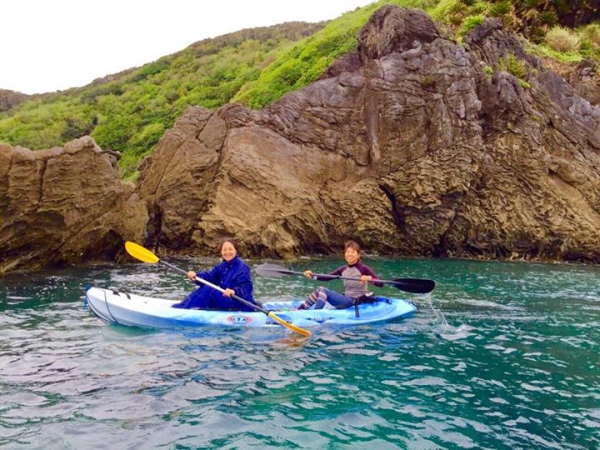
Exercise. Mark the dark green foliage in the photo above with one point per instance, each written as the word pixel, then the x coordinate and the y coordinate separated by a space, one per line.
pixel 501 8
pixel 148 70
pixel 548 18
pixel 90 95
pixel 77 127
pixel 470 23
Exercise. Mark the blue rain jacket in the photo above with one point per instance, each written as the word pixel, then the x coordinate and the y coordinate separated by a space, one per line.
pixel 235 275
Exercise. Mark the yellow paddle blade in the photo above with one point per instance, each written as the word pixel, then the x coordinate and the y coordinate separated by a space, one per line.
pixel 298 330
pixel 139 252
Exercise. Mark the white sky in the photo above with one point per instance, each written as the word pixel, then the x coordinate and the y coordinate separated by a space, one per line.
pixel 49 45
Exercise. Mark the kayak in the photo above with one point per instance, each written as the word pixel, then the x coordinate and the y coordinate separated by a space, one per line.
pixel 147 312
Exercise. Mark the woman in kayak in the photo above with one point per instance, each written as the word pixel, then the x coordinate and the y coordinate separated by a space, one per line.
pixel 355 290
pixel 232 274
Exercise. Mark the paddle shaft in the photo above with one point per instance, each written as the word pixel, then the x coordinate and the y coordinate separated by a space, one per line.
pixel 324 276
pixel 414 285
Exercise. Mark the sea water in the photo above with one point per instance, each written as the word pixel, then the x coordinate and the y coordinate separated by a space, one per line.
pixel 500 356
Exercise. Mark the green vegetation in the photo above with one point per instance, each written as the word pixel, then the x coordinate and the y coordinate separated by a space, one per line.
pixel 562 40
pixel 131 110
pixel 513 65
pixel 471 22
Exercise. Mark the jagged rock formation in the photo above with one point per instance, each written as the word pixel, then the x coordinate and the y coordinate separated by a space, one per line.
pixel 63 205
pixel 414 145
pixel 586 81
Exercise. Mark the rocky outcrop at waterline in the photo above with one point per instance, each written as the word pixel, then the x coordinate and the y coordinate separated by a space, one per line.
pixel 63 206
pixel 414 145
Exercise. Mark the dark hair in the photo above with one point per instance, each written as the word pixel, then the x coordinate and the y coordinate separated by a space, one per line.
pixel 352 244
pixel 225 240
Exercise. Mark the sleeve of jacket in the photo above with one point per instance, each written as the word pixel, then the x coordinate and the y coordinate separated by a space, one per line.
pixel 243 284
pixel 366 270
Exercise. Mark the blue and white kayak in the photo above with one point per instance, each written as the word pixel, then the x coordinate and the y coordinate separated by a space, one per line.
pixel 138 311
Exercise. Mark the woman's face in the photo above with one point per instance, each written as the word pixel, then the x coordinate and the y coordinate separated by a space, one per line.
pixel 351 255
pixel 228 251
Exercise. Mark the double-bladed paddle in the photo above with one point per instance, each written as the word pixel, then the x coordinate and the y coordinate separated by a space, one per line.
pixel 414 285
pixel 145 255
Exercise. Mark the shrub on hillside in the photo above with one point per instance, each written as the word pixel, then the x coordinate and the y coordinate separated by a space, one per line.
pixel 513 65
pixel 562 40
pixel 591 33
pixel 470 23
pixel 505 11
pixel 590 41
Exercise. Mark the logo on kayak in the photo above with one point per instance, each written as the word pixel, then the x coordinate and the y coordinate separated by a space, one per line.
pixel 239 320
pixel 319 319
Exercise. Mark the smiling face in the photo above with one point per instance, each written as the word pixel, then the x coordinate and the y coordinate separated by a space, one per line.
pixel 352 256
pixel 228 251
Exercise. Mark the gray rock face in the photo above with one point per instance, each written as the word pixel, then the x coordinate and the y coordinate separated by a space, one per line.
pixel 586 81
pixel 414 145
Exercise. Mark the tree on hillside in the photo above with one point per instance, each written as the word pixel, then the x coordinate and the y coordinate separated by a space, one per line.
pixel 535 17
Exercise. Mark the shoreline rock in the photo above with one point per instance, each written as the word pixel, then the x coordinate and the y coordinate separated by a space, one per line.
pixel 63 205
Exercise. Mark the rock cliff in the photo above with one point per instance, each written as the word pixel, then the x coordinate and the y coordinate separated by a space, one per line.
pixel 63 205
pixel 413 145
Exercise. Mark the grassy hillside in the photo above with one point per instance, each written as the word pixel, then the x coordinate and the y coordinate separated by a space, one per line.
pixel 131 110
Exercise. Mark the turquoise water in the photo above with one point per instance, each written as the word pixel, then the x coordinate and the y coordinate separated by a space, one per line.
pixel 501 356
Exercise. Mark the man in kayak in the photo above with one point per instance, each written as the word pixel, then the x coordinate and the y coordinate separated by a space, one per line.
pixel 355 291
pixel 232 274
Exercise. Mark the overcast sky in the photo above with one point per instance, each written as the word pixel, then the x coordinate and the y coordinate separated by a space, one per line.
pixel 50 45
